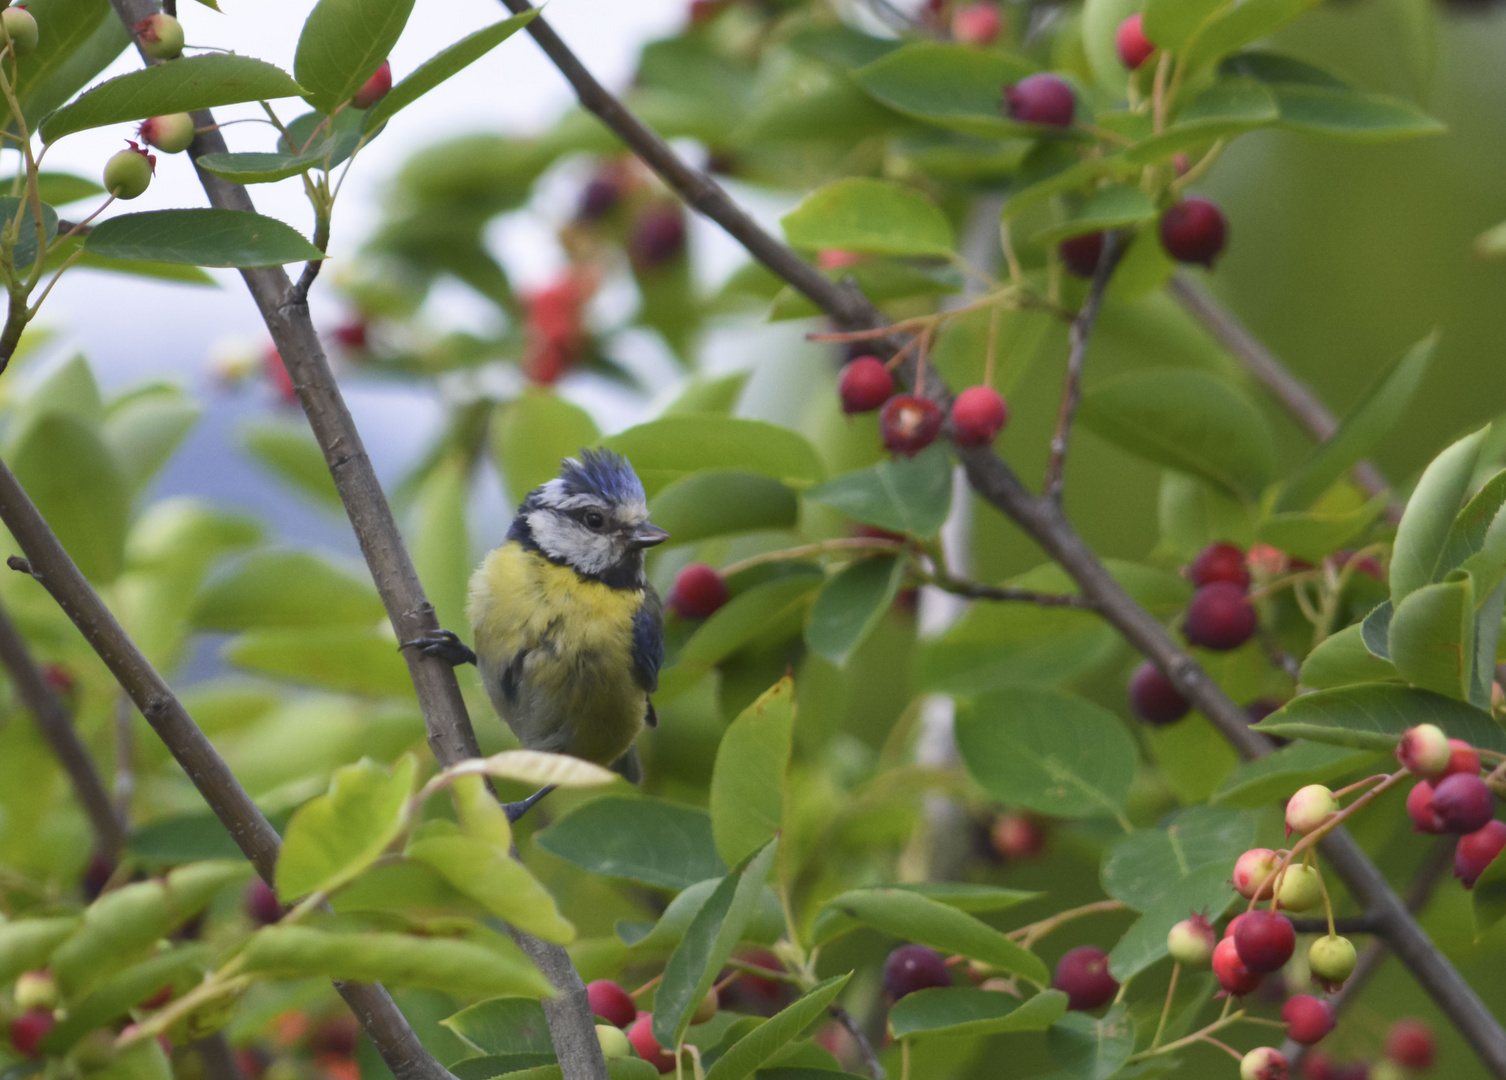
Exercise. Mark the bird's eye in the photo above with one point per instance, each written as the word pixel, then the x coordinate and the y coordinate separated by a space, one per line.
pixel 593 519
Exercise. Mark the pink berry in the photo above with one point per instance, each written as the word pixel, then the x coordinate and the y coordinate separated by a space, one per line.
pixel 864 385
pixel 1220 617
pixel 375 88
pixel 1236 979
pixel 641 1035
pixel 261 903
pixel 1154 698
pixel 56 676
pixel 1015 836
pixel 1307 1018
pixel 29 1029
pixel 1080 254
pixel 1265 940
pixel 1424 751
pixel 1410 1043
pixel 1253 873
pixel 977 24
pixel 1042 98
pixel 611 1002
pixel 1420 809
pixel 1463 803
pixel 1309 808
pixel 1130 42
pixel 1477 850
pixel 1219 562
pixel 1191 942
pixel 1194 231
pixel 978 415
pixel 1462 758
pixel 1263 1063
pixel 914 967
pixel 658 237
pixel 1083 975
pixel 909 424
pixel 698 592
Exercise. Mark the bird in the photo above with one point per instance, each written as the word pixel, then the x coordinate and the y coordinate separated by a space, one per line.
pixel 568 630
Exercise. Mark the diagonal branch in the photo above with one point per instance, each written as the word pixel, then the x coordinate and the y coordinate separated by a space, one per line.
pixel 56 724
pixel 1042 520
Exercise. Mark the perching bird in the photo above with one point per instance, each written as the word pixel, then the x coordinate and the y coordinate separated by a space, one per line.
pixel 569 633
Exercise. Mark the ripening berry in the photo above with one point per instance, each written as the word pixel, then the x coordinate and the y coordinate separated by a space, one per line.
pixel 1080 254
pixel 977 24
pixel 641 1035
pixel 97 875
pixel 1265 940
pixel 1236 979
pixel 1219 562
pixel 129 173
pixel 1191 942
pixel 598 199
pixel 1420 809
pixel 978 415
pixel 160 37
pixel 352 334
pixel 1263 1063
pixel 1475 851
pixel 1253 871
pixel 914 967
pixel 1463 803
pixel 261 903
pixel 29 1029
pixel 703 11
pixel 375 88
pixel 21 28
pixel 339 1036
pixel 1301 888
pixel 864 385
pixel 658 237
pixel 1424 751
pixel 611 1002
pixel 1309 808
pixel 837 258
pixel 37 990
pixel 1462 758
pixel 1410 1043
pixel 1015 836
pixel 1220 617
pixel 60 679
pixel 1154 698
pixel 1331 959
pixel 1307 1018
pixel 706 1009
pixel 1083 975
pixel 698 592
pixel 1130 42
pixel 614 1042
pixel 909 424
pixel 172 134
pixel 1194 231
pixel 1042 98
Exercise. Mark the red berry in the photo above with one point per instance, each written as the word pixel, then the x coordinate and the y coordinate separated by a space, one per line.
pixel 1220 617
pixel 611 1002
pixel 698 592
pixel 1233 976
pixel 1194 231
pixel 641 1035
pixel 598 199
pixel 1154 698
pixel 29 1029
pixel 1307 1019
pixel 337 1036
pixel 1420 809
pixel 658 237
pixel 978 414
pixel 977 24
pixel 1081 253
pixel 1042 98
pixel 1425 751
pixel 352 333
pixel 864 385
pixel 914 967
pixel 1131 43
pixel 1463 803
pixel 59 678
pixel 909 424
pixel 375 88
pixel 1477 850
pixel 1265 940
pixel 1263 1063
pixel 1410 1043
pixel 1015 836
pixel 1462 759
pixel 1083 975
pixel 261 903
pixel 158 999
pixel 1219 562
pixel 1318 1066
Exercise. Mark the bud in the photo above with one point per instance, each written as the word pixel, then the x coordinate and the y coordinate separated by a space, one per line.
pixel 160 37
pixel 1424 751
pixel 172 134
pixel 1301 888
pixel 1191 942
pixel 1332 960
pixel 129 173
pixel 1309 808
pixel 21 29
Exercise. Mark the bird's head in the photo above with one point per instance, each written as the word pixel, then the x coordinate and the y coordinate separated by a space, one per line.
pixel 593 517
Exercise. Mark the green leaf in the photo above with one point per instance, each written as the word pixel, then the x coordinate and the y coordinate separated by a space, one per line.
pixel 765 927
pixel 441 542
pixel 1205 890
pixel 26 944
pixel 951 86
pixel 913 916
pixel 1193 513
pixel 1113 206
pixel 1432 638
pixel 507 1025
pixel 1037 186
pixel 1314 536
pixel 443 65
pixel 335 836
pixel 908 495
pixel 349 659
pixel 143 430
pixel 723 503
pixel 709 940
pixel 289 450
pixel 1189 421
pixel 26 241
pixel 286 588
pixel 532 435
pixel 190 837
pixel 998 645
pixel 177 273
pixel 262 168
pixel 1425 525
pixel 1488 897
pixel 60 189
pixel 967 1011
pixel 1170 23
pixel 1227 108
pixel 1100 23
pixel 1274 777
pixel 871 216
pixel 1146 866
pixel 1378 412
pixel 126 991
pixel 850 606
pixel 187 84
pixel 144 1060
pixel 72 477
pixel 1339 112
pixel 1477 539
pixel 832 923
pixel 1375 630
pixel 456 966
pixel 717 395
pixel 341 136
pixel 1373 717
pixel 1047 750
pixel 77 39
pixel 1092 1047
pixel 747 782
pixel 765 1041
pixel 495 880
pixel 658 843
pixel 881 280
pixel 342 45
pixel 1342 660
pixel 666 449
pixel 1239 25
pixel 229 238
pixel 747 617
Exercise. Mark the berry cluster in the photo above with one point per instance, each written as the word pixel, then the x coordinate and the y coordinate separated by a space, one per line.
pixel 1450 796
pixel 909 423
pixel 626 1030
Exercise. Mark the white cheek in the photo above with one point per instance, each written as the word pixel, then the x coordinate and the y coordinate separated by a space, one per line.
pixel 564 539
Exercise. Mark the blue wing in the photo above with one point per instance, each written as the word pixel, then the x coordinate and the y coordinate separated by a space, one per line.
pixel 648 641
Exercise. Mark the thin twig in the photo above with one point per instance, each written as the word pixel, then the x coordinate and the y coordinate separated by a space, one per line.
pixel 865 1048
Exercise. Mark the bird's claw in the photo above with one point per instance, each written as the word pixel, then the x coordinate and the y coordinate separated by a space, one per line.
pixel 442 645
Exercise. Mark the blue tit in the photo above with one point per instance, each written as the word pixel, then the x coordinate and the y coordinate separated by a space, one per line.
pixel 569 634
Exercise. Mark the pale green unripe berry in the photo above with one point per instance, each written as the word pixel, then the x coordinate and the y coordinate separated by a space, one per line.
pixel 160 37
pixel 1263 1063
pixel 614 1042
pixel 172 134
pixel 37 990
pixel 1424 751
pixel 21 28
pixel 1301 888
pixel 1332 960
pixel 129 173
pixel 1386 1069
pixel 1191 942
pixel 1309 808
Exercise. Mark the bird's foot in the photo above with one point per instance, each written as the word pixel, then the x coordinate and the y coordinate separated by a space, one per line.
pixel 442 645
pixel 515 810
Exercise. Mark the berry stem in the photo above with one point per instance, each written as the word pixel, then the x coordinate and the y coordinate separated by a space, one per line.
pixel 646 987
pixel 992 352
pixel 1171 991
pixel 1225 1047
pixel 1028 935
pixel 1225 1019
pixel 873 545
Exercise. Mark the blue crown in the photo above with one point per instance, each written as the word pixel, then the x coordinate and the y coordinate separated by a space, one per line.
pixel 603 473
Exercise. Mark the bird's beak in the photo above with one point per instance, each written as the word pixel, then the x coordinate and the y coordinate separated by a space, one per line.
pixel 646 536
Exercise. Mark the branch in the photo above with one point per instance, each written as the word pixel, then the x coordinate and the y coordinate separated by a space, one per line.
pixel 1042 520
pixel 1291 391
pixel 56 725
